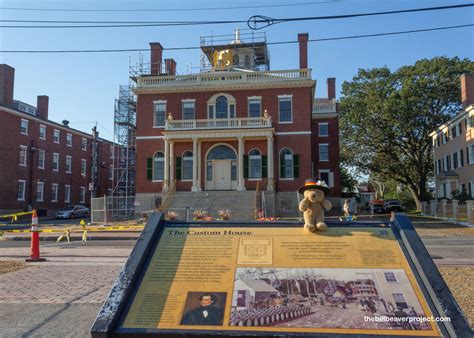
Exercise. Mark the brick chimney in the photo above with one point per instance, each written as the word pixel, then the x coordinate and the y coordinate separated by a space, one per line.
pixel 467 89
pixel 156 50
pixel 170 66
pixel 7 79
pixel 303 42
pixel 42 106
pixel 331 83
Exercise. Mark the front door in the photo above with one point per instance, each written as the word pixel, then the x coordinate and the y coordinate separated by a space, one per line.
pixel 221 175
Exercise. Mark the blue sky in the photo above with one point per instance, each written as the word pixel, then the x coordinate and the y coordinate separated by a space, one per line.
pixel 82 87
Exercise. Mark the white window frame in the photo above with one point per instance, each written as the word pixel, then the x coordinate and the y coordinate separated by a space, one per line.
pixel 39 184
pixel 254 98
pixel 153 166
pixel 68 170
pixel 84 144
pixel 25 132
pixel 212 102
pixel 155 103
pixel 471 154
pixel 54 192
pixel 330 176
pixel 286 96
pixel 42 127
pixel 182 166
pixel 23 184
pixel 292 178
pixel 67 193
pixel 69 140
pixel 319 129
pixel 250 178
pixel 56 155
pixel 392 274
pixel 57 132
pixel 82 195
pixel 24 151
pixel 193 101
pixel 83 167
pixel 319 152
pixel 41 155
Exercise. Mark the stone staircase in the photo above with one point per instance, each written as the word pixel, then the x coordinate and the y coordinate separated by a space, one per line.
pixel 240 203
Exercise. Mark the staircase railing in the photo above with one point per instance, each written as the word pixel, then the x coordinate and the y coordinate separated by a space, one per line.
pixel 167 197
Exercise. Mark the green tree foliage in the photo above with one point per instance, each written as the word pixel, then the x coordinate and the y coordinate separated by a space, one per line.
pixel 386 118
pixel 348 182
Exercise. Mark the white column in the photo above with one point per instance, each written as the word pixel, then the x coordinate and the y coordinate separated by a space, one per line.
pixel 171 163
pixel 444 203
pixel 194 187
pixel 455 208
pixel 241 186
pixel 199 186
pixel 469 209
pixel 433 207
pixel 271 174
pixel 167 167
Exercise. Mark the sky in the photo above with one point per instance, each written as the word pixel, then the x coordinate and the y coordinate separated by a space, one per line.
pixel 83 87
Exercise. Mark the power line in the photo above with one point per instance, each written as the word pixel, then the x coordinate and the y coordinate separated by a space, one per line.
pixel 269 43
pixel 253 22
pixel 169 9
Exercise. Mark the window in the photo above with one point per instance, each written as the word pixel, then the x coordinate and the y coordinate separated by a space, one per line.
pixel 453 131
pixel 247 61
pixel 56 135
pixel 221 107
pixel 284 109
pixel 84 144
pixel 24 127
pixel 67 193
pixel 209 171
pixel 39 191
pixel 461 158
pixel 55 161
pixel 390 277
pixel 42 132
pixel 255 164
pixel 255 107
pixel 111 172
pixel 158 166
pixel 398 297
pixel 470 151
pixel 82 195
pixel 23 155
pixel 235 60
pixel 54 192
pixel 323 129
pixel 68 164
pixel 286 164
pixel 188 165
pixel 83 167
pixel 459 128
pixel 188 109
pixel 233 170
pixel 69 140
pixel 160 114
pixel 110 192
pixel 21 190
pixel 455 160
pixel 111 151
pixel 41 158
pixel 323 152
pixel 324 176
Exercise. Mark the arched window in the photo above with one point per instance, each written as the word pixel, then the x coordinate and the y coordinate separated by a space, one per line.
pixel 247 61
pixel 221 107
pixel 255 164
pixel 286 164
pixel 221 152
pixel 235 60
pixel 188 165
pixel 158 166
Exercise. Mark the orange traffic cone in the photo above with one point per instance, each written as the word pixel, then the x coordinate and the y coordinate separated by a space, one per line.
pixel 35 251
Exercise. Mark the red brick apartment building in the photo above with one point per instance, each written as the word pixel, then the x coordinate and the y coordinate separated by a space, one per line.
pixel 235 124
pixel 45 165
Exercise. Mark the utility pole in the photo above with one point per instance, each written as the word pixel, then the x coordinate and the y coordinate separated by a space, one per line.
pixel 31 150
pixel 93 187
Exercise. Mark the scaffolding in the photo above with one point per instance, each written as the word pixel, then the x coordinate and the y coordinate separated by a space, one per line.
pixel 124 137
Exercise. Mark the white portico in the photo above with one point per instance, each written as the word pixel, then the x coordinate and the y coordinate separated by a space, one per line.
pixel 222 164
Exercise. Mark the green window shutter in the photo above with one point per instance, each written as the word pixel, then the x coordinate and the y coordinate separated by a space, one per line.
pixel 296 166
pixel 282 166
pixel 246 166
pixel 264 166
pixel 468 160
pixel 178 168
pixel 149 168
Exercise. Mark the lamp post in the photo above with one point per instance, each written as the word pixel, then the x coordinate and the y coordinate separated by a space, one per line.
pixel 31 150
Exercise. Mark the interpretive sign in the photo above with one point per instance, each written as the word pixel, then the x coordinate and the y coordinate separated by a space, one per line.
pixel 233 279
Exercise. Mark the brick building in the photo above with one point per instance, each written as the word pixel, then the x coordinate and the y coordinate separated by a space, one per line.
pixel 234 125
pixel 45 165
pixel 453 147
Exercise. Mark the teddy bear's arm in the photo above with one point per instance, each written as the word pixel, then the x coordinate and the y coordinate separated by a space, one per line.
pixel 327 205
pixel 304 204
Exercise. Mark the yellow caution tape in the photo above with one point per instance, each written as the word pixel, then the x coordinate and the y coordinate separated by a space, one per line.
pixel 98 229
pixel 15 216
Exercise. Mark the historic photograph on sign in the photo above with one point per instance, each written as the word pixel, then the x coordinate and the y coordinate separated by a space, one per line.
pixel 204 308
pixel 325 298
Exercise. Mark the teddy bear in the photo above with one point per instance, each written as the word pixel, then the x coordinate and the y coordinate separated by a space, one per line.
pixel 314 204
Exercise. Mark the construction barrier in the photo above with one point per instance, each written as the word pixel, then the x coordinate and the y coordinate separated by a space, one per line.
pixel 15 216
pixel 35 248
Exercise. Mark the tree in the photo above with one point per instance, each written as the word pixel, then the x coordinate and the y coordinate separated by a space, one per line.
pixel 348 182
pixel 386 118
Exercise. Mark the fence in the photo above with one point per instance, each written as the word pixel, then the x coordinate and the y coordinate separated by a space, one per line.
pixel 450 211
pixel 113 208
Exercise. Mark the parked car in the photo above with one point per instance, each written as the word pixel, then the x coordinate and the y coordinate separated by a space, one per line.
pixel 73 211
pixel 393 205
pixel 379 208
